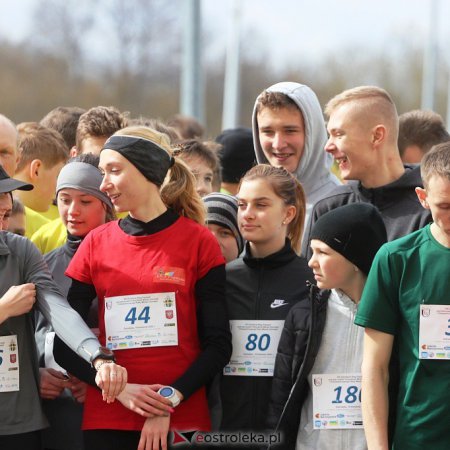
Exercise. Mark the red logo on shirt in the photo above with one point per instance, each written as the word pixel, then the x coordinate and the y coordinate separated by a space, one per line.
pixel 169 314
pixel 169 275
pixel 13 358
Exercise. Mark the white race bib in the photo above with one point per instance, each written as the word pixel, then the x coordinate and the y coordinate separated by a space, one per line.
pixel 255 344
pixel 9 364
pixel 434 332
pixel 141 320
pixel 337 401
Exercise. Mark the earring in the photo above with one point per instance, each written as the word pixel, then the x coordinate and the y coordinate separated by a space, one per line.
pixel 356 269
pixel 284 222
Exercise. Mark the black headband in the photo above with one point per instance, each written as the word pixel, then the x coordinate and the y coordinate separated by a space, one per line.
pixel 149 158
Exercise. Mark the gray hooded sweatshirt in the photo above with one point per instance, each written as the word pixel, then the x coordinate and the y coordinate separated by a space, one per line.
pixel 313 171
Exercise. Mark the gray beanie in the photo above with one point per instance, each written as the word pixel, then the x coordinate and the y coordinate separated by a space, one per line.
pixel 84 177
pixel 356 231
pixel 222 210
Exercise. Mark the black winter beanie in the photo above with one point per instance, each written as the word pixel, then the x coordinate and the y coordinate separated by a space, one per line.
pixel 237 154
pixel 356 231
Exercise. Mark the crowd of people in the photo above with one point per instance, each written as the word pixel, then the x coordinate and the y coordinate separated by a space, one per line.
pixel 290 279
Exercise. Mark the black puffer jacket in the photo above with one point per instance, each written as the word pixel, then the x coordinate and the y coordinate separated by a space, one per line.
pixel 253 285
pixel 297 351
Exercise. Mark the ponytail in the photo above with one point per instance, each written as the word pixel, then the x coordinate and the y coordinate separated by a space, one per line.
pixel 178 192
pixel 296 227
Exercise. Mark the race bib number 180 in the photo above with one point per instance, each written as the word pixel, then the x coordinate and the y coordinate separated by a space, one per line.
pixel 337 401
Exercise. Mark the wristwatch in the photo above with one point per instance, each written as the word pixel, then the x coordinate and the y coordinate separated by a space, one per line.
pixel 103 353
pixel 171 394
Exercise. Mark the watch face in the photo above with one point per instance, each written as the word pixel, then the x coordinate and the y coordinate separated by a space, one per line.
pixel 166 391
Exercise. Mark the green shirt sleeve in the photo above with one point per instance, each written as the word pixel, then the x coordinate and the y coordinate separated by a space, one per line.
pixel 378 308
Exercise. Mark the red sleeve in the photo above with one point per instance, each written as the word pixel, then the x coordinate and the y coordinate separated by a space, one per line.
pixel 209 253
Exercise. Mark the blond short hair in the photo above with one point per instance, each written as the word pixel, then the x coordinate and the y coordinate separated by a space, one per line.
pixel 372 102
pixel 39 142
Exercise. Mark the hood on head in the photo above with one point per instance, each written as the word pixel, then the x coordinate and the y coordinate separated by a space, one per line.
pixel 315 164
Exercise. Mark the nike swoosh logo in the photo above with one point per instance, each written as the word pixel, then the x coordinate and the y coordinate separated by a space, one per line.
pixel 278 305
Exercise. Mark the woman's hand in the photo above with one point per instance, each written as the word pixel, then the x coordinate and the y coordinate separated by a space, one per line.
pixel 154 433
pixel 144 400
pixel 111 378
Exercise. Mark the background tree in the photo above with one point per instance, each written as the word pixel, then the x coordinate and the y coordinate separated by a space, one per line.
pixel 127 54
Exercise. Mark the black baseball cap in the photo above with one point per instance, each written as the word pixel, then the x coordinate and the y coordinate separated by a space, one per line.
pixel 8 184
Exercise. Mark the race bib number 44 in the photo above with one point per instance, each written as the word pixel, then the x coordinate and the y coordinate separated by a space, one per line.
pixel 434 332
pixel 143 320
pixel 255 344
pixel 337 401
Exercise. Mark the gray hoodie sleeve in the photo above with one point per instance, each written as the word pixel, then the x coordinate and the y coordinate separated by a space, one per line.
pixel 66 322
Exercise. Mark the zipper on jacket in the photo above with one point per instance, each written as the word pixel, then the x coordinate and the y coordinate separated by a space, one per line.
pixel 309 346
pixel 256 316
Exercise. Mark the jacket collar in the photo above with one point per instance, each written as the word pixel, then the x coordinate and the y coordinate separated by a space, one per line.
pixel 279 258
pixel 72 244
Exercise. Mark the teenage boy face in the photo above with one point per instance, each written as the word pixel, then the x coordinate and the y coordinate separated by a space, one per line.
pixel 349 143
pixel 226 240
pixel 282 136
pixel 45 186
pixel 436 198
pixel 331 270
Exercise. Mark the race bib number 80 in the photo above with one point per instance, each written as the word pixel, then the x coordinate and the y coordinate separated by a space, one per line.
pixel 255 344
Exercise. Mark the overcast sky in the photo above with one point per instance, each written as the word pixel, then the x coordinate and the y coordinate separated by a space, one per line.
pixel 314 27
pixel 294 28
